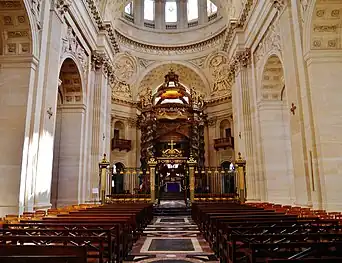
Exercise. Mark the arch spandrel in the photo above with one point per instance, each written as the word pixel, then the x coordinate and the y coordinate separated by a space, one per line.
pixel 187 76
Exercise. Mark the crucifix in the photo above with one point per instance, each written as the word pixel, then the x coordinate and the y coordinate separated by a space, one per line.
pixel 171 144
pixel 293 108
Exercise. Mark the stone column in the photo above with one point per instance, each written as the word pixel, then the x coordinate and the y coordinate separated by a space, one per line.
pixel 182 14
pixel 159 17
pixel 192 163
pixel 98 146
pixel 202 12
pixel 152 166
pixel 138 12
pixel 45 125
pixel 243 84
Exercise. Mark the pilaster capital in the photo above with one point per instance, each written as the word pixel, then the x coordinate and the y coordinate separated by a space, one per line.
pixel 61 6
pixel 279 4
pixel 132 122
pixel 212 122
pixel 100 61
pixel 242 59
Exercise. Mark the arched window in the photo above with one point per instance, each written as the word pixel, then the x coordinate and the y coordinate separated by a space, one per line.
pixel 211 8
pixel 129 8
pixel 192 10
pixel 170 11
pixel 149 10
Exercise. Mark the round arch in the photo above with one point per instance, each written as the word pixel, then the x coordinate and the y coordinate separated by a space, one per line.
pixel 272 79
pixel 34 29
pixel 181 64
pixel 71 81
pixel 80 73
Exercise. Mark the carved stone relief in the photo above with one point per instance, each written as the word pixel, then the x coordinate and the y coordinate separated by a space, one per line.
pixel 71 45
pixel 326 25
pixel 125 68
pixel 121 90
pixel 218 69
pixel 271 41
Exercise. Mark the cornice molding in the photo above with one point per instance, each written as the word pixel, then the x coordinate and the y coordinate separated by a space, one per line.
pixel 237 24
pixel 103 26
pixel 120 101
pixel 171 50
pixel 218 101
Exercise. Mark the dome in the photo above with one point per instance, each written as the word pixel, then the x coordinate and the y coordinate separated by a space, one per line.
pixel 170 22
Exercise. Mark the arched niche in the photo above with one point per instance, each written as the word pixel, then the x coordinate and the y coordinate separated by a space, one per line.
pixel 119 130
pixel 272 87
pixel 275 134
pixel 225 129
pixel 69 136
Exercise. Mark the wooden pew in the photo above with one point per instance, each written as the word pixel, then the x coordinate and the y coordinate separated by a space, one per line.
pixel 222 223
pixel 113 225
pixel 42 254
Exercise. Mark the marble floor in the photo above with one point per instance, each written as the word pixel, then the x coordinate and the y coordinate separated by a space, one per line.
pixel 171 240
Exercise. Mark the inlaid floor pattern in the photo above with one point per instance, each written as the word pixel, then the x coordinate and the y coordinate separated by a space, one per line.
pixel 171 240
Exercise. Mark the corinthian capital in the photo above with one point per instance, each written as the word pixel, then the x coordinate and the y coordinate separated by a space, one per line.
pixel 279 4
pixel 241 59
pixel 62 6
pixel 98 60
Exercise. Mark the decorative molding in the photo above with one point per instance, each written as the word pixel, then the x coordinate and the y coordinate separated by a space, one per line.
pixel 237 24
pixel 124 102
pixel 171 50
pixel 103 26
pixel 218 101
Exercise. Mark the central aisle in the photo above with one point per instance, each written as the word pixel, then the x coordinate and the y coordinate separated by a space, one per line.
pixel 171 240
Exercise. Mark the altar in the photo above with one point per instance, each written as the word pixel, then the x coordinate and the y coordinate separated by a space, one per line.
pixel 173 187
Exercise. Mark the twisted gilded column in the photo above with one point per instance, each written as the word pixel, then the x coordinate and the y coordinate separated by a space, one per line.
pixel 192 163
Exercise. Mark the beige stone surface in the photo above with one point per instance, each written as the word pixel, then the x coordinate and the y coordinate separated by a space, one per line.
pixel 67 78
